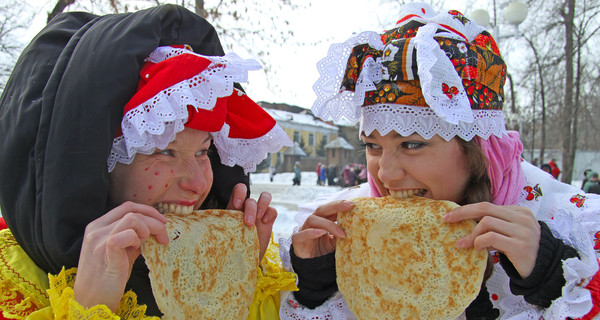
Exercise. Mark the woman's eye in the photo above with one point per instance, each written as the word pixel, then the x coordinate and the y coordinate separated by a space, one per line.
pixel 203 152
pixel 165 152
pixel 413 145
pixel 370 146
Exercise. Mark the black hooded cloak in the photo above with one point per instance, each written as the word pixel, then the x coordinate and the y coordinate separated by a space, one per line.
pixel 59 113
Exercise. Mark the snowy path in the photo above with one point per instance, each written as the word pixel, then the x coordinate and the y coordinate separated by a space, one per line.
pixel 286 197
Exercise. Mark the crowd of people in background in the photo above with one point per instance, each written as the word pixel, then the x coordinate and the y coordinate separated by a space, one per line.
pixel 589 184
pixel 350 175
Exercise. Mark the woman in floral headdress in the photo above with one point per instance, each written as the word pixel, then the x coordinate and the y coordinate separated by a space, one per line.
pixel 108 122
pixel 429 94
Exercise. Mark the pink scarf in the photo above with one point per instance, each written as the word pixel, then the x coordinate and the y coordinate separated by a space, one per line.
pixel 504 169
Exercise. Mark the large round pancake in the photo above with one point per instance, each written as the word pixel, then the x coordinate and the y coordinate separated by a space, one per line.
pixel 399 260
pixel 208 269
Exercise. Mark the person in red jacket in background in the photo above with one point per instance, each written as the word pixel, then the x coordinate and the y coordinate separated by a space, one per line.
pixel 555 172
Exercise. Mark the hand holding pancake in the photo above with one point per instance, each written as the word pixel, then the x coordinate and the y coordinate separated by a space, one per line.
pixel 257 213
pixel 512 230
pixel 314 239
pixel 111 244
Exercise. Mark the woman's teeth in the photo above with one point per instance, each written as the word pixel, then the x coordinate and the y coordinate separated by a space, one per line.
pixel 407 193
pixel 175 208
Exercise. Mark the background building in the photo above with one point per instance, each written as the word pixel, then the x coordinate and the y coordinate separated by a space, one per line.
pixel 316 141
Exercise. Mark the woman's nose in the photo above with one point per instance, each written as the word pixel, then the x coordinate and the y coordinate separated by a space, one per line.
pixel 195 177
pixel 390 168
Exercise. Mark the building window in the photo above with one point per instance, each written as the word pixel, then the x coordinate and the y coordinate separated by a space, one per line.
pixel 296 136
pixel 311 139
pixel 333 153
pixel 325 139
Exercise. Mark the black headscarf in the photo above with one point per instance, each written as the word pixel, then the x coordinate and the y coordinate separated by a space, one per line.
pixel 59 113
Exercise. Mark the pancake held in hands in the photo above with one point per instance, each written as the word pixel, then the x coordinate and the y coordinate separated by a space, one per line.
pixel 208 269
pixel 399 260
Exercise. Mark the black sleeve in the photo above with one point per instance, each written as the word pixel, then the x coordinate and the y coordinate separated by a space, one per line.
pixel 316 279
pixel 547 279
pixel 482 308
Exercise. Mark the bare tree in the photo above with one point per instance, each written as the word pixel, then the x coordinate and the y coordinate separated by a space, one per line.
pixel 249 28
pixel 559 70
pixel 14 20
pixel 58 8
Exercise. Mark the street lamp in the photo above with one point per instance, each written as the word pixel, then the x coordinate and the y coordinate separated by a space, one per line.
pixel 515 13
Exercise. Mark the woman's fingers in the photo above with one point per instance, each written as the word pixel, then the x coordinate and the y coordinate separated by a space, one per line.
pixel 477 211
pixel 310 243
pixel 308 234
pixel 263 204
pixel 264 227
pixel 250 212
pixel 485 225
pixel 269 216
pixel 238 195
pixel 330 210
pixel 318 234
pixel 127 240
pixel 144 226
pixel 512 230
pixel 318 222
pixel 125 208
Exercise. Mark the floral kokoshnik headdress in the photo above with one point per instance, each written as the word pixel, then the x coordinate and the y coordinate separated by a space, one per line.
pixel 430 74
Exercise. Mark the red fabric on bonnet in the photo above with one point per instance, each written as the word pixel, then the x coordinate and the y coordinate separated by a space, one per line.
pixel 243 113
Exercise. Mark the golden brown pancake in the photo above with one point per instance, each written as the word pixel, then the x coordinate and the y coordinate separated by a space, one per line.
pixel 399 260
pixel 208 269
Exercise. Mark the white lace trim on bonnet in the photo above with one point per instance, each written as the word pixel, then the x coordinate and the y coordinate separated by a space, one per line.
pixel 445 117
pixel 155 123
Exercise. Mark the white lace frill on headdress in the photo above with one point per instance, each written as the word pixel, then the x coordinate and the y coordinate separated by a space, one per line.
pixel 154 123
pixel 445 116
pixel 247 153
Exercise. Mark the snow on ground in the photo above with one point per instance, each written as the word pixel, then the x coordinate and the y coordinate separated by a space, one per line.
pixel 287 197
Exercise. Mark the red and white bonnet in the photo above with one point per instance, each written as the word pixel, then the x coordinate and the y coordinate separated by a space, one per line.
pixel 179 88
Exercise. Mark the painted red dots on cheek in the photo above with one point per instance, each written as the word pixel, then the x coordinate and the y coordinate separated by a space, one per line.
pixel 172 171
pixel 146 169
pixel 150 187
pixel 156 173
pixel 166 185
pixel 135 195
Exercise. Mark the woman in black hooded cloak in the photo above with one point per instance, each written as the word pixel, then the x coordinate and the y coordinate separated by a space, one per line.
pixel 59 114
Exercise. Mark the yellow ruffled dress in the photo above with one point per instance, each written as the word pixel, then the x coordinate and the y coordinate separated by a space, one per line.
pixel 27 292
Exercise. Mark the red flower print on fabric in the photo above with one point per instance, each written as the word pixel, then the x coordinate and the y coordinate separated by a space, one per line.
pixel 293 303
pixel 533 193
pixel 496 257
pixel 597 240
pixel 449 91
pixel 578 200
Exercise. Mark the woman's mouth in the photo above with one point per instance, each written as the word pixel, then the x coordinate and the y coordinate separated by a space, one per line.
pixel 399 194
pixel 175 208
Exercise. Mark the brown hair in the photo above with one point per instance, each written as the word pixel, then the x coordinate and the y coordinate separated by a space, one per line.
pixel 479 187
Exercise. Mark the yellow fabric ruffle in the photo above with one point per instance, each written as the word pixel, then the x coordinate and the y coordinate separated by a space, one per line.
pixel 22 282
pixel 272 279
pixel 64 305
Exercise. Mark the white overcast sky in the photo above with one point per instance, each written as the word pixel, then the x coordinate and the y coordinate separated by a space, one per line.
pixel 334 20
